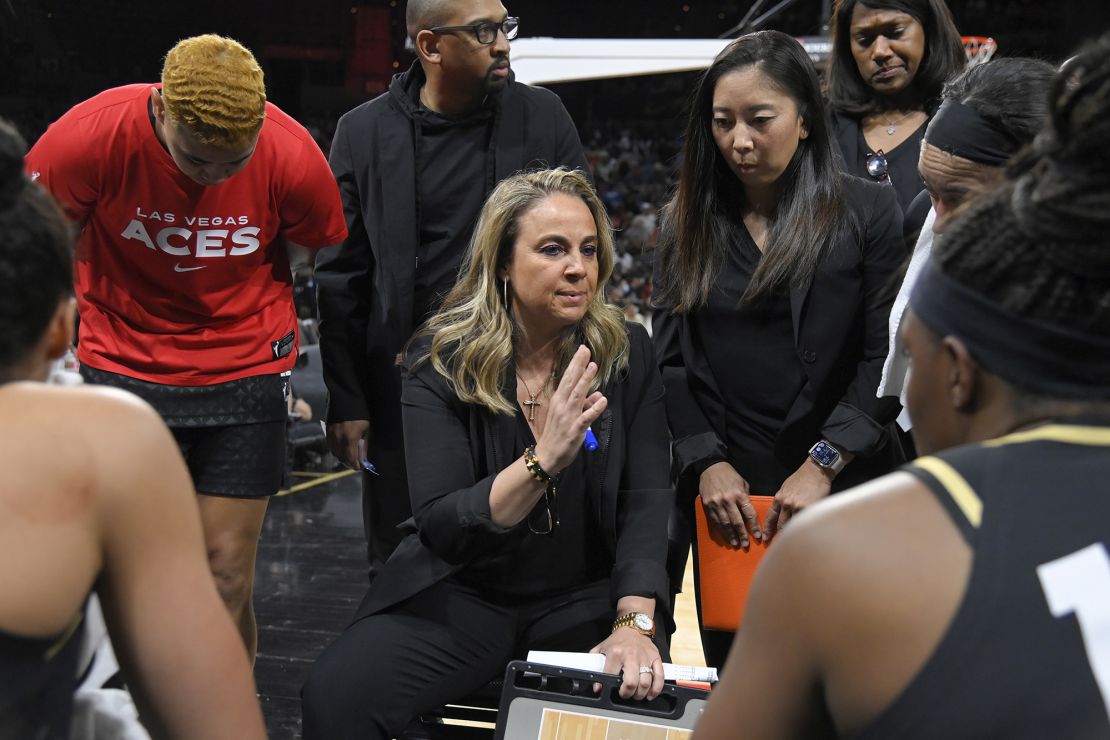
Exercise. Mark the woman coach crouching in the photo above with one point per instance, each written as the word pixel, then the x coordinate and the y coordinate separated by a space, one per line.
pixel 521 539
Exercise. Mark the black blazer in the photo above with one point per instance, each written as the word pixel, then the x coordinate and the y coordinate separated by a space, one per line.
pixel 454 450
pixel 366 283
pixel 840 332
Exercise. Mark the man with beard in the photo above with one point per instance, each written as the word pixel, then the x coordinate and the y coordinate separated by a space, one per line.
pixel 414 166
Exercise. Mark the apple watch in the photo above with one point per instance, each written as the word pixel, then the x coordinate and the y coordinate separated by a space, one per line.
pixel 638 621
pixel 827 457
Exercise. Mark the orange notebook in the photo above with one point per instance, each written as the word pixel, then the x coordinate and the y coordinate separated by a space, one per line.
pixel 725 574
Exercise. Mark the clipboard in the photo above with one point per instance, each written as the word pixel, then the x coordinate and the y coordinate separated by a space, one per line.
pixel 542 702
pixel 725 574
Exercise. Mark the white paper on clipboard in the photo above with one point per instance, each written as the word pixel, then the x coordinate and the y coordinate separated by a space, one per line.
pixel 596 662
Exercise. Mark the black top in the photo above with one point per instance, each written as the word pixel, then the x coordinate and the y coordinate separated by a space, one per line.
pixel 839 329
pixel 37 680
pixel 757 368
pixel 455 450
pixel 453 176
pixel 901 160
pixel 1021 655
pixel 530 564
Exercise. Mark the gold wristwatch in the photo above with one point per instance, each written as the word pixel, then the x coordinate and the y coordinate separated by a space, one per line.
pixel 638 621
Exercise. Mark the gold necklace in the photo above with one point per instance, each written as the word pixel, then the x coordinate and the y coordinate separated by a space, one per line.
pixel 532 403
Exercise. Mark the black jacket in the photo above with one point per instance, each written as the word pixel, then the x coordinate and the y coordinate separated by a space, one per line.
pixel 840 331
pixel 454 450
pixel 366 283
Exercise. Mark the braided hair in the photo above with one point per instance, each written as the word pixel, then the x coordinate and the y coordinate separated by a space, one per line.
pixel 1040 245
pixel 36 255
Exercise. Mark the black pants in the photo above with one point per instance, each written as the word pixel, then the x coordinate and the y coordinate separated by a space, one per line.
pixel 385 504
pixel 441 645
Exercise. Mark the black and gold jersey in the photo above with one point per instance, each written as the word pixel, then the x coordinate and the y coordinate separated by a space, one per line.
pixel 1027 654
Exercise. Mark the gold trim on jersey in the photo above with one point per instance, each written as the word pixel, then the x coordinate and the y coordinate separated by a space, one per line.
pixel 962 492
pixel 1076 435
pixel 58 644
pixel 958 488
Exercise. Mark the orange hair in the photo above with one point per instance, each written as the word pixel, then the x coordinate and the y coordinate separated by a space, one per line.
pixel 214 86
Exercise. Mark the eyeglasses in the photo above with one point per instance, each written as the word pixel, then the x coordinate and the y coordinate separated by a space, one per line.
pixel 877 167
pixel 548 517
pixel 486 31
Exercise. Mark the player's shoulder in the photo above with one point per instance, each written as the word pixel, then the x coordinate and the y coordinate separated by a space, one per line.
pixel 845 531
pixel 283 129
pixel 116 101
pixel 92 427
pixel 77 405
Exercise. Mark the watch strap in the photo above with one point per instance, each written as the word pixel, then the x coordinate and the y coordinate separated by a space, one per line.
pixel 836 465
pixel 629 620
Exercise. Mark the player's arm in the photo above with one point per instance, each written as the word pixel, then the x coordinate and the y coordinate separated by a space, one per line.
pixel 301 259
pixel 847 606
pixel 66 162
pixel 771 684
pixel 311 211
pixel 180 652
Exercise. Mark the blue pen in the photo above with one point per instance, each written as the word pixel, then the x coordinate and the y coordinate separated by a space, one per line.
pixel 590 442
pixel 362 461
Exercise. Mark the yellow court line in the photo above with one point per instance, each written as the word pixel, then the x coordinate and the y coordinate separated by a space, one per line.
pixel 958 488
pixel 327 478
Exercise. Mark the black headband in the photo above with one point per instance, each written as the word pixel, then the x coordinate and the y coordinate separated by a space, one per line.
pixel 1032 354
pixel 962 131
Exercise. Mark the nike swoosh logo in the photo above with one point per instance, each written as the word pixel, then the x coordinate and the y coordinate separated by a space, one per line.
pixel 179 268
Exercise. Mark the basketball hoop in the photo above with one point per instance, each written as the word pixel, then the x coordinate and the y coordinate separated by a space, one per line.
pixel 979 49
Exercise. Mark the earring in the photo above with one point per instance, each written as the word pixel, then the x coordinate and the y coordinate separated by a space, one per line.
pixel 505 293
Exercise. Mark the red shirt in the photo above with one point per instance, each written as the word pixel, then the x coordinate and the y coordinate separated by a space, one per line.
pixel 177 282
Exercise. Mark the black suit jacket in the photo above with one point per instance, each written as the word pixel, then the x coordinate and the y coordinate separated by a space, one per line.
pixel 454 450
pixel 840 332
pixel 366 283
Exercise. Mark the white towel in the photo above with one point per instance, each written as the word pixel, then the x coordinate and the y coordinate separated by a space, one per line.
pixel 896 369
pixel 105 714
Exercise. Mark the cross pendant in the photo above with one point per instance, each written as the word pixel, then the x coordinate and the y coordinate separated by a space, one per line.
pixel 532 403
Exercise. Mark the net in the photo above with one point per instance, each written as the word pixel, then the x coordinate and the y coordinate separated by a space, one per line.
pixel 979 49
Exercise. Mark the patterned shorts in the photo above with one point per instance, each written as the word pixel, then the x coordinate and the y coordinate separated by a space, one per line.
pixel 232 435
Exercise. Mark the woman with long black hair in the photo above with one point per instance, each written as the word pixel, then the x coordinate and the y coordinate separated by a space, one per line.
pixel 772 288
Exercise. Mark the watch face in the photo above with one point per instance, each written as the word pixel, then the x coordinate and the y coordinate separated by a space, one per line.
pixel 643 621
pixel 824 454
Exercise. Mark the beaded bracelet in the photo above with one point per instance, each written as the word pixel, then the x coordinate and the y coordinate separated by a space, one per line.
pixel 534 469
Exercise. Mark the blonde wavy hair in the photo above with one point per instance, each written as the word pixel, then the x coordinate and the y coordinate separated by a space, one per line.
pixel 473 334
pixel 214 86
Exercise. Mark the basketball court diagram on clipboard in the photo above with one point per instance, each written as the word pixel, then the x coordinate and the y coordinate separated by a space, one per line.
pixel 561 724
pixel 541 702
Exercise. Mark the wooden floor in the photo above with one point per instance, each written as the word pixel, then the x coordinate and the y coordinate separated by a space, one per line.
pixel 310 577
